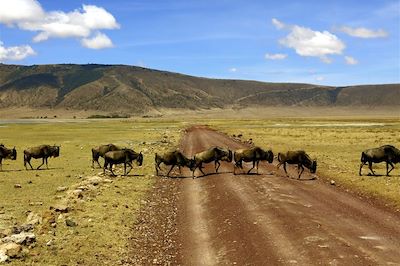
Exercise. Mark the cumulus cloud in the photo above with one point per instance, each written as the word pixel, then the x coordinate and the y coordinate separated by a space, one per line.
pixel 99 41
pixel 308 42
pixel 15 53
pixel 364 32
pixel 233 69
pixel 19 10
pixel 275 56
pixel 83 23
pixel 350 60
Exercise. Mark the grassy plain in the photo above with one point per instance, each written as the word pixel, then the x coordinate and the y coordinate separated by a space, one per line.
pixel 336 143
pixel 105 216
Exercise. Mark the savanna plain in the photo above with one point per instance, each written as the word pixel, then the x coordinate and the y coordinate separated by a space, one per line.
pixel 103 216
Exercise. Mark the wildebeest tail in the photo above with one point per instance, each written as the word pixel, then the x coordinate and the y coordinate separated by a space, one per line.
pixel 25 158
pixel 279 157
pixel 363 157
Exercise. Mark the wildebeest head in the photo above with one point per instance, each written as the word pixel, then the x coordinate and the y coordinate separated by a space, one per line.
pixel 270 156
pixel 228 155
pixel 191 163
pixel 13 154
pixel 140 159
pixel 55 151
pixel 313 166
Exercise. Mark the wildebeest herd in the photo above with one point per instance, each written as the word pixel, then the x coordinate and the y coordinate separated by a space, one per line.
pixel 113 155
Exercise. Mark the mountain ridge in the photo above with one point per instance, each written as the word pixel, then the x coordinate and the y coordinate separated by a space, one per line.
pixel 138 90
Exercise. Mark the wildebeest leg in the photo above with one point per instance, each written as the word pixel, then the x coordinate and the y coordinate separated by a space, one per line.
pixel 170 169
pixel 41 164
pixel 111 165
pixel 257 166
pixel 254 164
pixel 387 166
pixel 370 168
pixel 284 168
pixel 28 160
pixel 302 169
pixel 201 169
pixel 130 167
pixel 217 167
pixel 1 165
pixel 180 170
pixel 361 165
pixel 47 165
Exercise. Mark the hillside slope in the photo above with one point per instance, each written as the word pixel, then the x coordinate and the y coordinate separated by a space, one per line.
pixel 129 89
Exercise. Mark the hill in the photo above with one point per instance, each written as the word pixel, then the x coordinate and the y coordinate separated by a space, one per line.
pixel 136 90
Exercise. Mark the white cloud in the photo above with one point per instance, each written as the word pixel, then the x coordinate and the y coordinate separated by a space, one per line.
pixel 233 69
pixel 319 78
pixel 363 32
pixel 275 56
pixel 15 53
pixel 350 60
pixel 279 25
pixel 99 41
pixel 308 42
pixel 80 23
pixel 19 10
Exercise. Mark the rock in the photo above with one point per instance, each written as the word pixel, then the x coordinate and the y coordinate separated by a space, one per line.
pixel 61 189
pixel 17 186
pixel 3 256
pixel 333 182
pixel 22 238
pixel 36 203
pixel 30 182
pixel 70 222
pixel 33 218
pixel 49 243
pixel 12 250
pixel 94 180
pixel 22 228
pixel 63 208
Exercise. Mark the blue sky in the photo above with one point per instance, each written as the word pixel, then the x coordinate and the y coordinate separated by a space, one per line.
pixel 321 42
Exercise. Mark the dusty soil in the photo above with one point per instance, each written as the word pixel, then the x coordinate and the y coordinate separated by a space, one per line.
pixel 261 219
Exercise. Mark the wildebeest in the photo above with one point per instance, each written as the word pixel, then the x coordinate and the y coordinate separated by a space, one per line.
pixel 297 157
pixel 6 154
pixel 213 154
pixel 254 154
pixel 173 158
pixel 385 153
pixel 99 151
pixel 125 156
pixel 42 151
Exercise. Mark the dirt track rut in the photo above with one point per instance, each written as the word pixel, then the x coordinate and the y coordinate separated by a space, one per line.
pixel 269 219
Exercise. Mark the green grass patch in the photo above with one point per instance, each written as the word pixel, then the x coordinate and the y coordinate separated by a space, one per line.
pixel 104 218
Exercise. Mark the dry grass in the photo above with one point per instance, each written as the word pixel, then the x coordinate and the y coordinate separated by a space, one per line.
pixel 104 218
pixel 335 143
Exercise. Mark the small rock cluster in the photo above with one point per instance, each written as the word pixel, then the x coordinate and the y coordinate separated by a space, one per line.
pixel 15 242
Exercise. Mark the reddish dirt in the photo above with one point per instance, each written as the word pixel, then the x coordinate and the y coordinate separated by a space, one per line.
pixel 264 219
pixel 269 219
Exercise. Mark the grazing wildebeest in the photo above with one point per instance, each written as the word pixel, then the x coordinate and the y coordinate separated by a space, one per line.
pixel 99 151
pixel 297 157
pixel 125 156
pixel 173 158
pixel 254 154
pixel 6 154
pixel 213 154
pixel 42 151
pixel 385 153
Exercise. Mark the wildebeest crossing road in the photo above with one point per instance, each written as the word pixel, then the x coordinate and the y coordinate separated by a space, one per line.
pixel 269 219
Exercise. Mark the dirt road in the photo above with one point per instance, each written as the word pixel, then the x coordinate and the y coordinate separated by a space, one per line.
pixel 269 219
